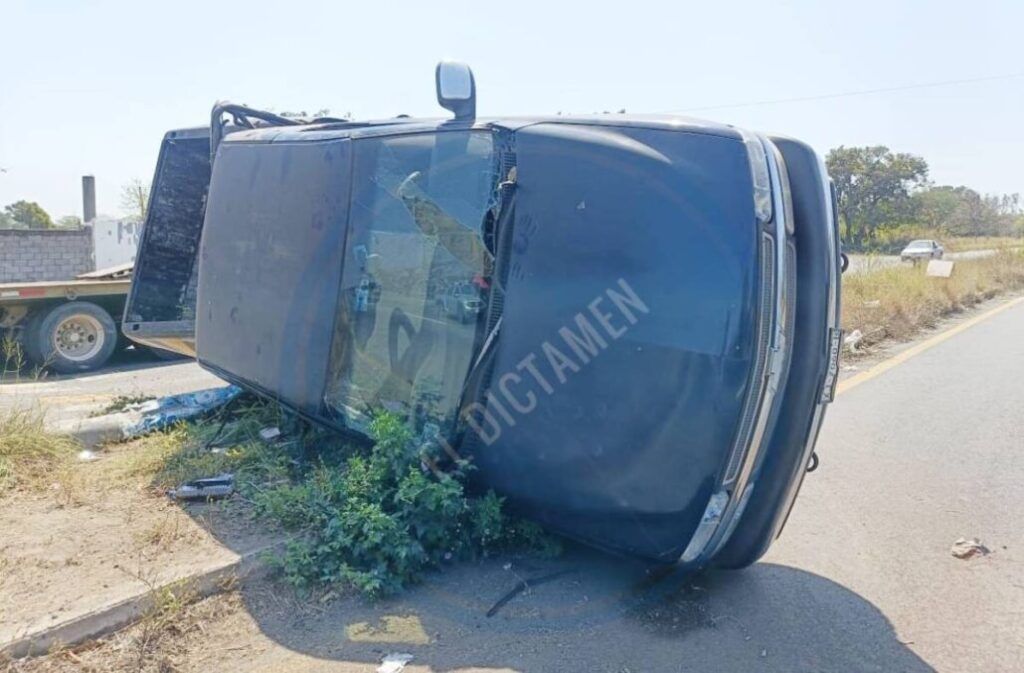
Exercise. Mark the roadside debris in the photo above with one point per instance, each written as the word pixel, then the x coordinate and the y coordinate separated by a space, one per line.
pixel 853 339
pixel 220 486
pixel 966 549
pixel 523 585
pixel 85 455
pixel 939 268
pixel 394 662
pixel 270 434
pixel 166 411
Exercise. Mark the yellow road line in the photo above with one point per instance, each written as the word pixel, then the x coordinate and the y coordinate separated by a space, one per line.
pixel 900 358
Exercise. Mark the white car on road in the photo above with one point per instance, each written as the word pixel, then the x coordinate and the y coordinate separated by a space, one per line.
pixel 923 249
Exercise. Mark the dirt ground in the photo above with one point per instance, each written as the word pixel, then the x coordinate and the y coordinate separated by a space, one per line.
pixel 443 624
pixel 100 533
pixel 599 614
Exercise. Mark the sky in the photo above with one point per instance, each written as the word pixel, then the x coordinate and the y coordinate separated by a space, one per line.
pixel 91 87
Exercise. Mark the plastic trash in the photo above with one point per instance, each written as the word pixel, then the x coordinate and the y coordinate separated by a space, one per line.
pixel 220 486
pixel 268 434
pixel 965 549
pixel 166 411
pixel 853 340
pixel 394 662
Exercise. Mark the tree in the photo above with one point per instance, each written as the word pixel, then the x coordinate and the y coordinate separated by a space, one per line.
pixel 135 199
pixel 874 185
pixel 961 211
pixel 69 222
pixel 28 215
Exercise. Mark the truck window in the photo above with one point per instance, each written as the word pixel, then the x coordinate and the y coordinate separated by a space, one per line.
pixel 415 232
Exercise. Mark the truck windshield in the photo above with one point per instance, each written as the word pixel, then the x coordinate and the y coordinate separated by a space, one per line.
pixel 415 235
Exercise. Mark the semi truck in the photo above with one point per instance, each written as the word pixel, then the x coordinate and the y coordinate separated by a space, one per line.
pixel 67 325
pixel 70 326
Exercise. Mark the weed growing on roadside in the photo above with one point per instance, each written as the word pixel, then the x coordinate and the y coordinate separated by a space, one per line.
pixel 373 517
pixel 379 518
pixel 13 363
pixel 30 456
pixel 370 516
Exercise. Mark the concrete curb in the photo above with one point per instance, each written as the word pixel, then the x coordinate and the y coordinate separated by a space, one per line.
pixel 110 618
pixel 92 432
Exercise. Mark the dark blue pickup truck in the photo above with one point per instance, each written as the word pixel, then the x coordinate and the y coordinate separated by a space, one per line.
pixel 647 331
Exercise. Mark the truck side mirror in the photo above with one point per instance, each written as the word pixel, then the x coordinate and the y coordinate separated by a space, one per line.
pixel 456 89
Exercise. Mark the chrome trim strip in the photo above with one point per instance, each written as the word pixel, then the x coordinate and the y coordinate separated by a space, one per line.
pixel 752 400
pixel 771 376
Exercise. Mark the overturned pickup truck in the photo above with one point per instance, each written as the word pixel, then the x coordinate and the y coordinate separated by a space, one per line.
pixel 628 323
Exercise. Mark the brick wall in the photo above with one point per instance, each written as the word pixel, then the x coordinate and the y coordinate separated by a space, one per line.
pixel 44 254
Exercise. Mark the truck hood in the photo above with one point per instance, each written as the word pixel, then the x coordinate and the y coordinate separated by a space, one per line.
pixel 611 404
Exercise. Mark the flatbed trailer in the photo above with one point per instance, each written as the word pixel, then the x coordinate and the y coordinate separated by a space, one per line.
pixel 69 325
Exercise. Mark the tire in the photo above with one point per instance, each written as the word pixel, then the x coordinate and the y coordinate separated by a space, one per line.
pixel 30 336
pixel 74 337
pixel 165 355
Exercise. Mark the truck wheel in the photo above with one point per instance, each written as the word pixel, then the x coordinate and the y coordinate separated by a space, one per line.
pixel 75 337
pixel 30 337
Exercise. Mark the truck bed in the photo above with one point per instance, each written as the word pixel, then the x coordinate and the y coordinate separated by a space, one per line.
pixel 11 293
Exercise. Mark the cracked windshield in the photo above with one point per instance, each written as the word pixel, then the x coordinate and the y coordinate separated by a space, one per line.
pixel 680 338
pixel 415 275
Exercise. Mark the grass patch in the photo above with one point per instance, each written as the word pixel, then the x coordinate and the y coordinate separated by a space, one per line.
pixel 369 516
pixel 165 534
pixel 14 364
pixel 30 456
pixel 965 243
pixel 896 302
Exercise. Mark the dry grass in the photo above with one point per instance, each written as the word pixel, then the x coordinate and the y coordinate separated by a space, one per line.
pixel 144 457
pixel 14 364
pixel 896 302
pixel 30 456
pixel 161 642
pixel 166 534
pixel 964 243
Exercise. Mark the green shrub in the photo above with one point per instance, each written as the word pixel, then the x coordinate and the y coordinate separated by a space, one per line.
pixel 373 517
pixel 379 518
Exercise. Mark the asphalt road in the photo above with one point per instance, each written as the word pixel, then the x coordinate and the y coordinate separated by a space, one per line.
pixel 129 374
pixel 928 450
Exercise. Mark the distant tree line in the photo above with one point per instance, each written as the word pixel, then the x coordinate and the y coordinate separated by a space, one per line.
pixel 30 215
pixel 886 199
